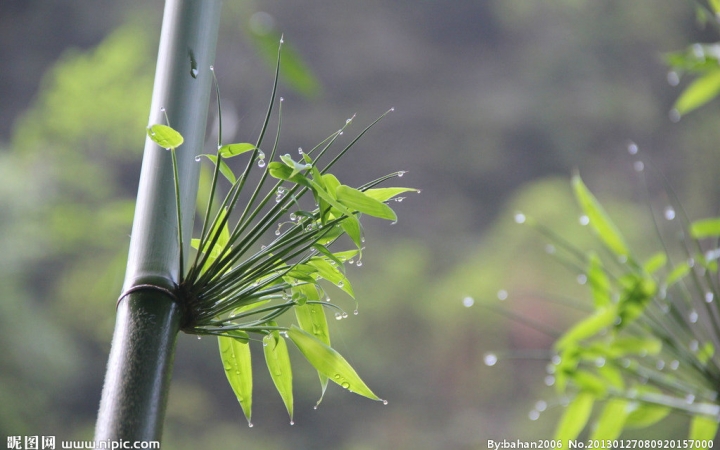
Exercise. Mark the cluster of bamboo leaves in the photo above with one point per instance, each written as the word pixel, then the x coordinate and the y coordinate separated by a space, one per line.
pixel 255 262
pixel 701 61
pixel 649 346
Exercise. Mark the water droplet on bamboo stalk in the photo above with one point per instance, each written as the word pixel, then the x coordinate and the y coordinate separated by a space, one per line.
pixel 549 249
pixel 502 295
pixel 490 359
pixel 669 213
pixel 359 263
pixel 556 359
pixel 690 399
pixel 694 345
pixel 673 78
pixel 674 365
pixel 338 316
pixel 468 302
pixel 582 278
pixel 660 364
pixel 541 405
pixel 199 337
pixel 293 217
pixel 520 218
pixel 534 415
pixel 261 163
pixel 549 380
pixel 693 316
pixel 709 297
pixel 584 220
pixel 401 173
pixel 344 315
pixel 356 312
pixel 600 362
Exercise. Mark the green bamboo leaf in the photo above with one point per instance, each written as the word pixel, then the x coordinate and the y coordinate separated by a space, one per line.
pixel 224 168
pixel 612 420
pixel 599 282
pixel 703 428
pixel 715 6
pixel 612 376
pixel 705 353
pixel 351 226
pixel 677 273
pixel 278 362
pixel 331 184
pixel 164 136
pixel 603 318
pixel 296 166
pixel 329 362
pixel 283 172
pixel 332 274
pixel 587 382
pixel 599 220
pixel 575 417
pixel 235 356
pixel 230 150
pixel 699 92
pixel 385 194
pixel 645 414
pixel 705 228
pixel 311 318
pixel 358 201
pixel 634 346
pixel 655 262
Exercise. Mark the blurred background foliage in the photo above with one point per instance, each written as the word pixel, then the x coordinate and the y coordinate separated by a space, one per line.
pixel 497 101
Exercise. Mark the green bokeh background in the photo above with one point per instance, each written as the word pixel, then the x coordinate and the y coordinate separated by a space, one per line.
pixel 497 102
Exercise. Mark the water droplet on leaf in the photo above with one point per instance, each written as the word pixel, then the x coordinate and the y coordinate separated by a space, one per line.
pixel 584 220
pixel 468 302
pixel 502 295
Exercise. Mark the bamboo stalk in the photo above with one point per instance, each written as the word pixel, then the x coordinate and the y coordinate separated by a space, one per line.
pixel 134 397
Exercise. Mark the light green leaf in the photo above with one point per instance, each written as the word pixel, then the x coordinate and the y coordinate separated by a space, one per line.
pixel 678 273
pixel 358 201
pixel 645 414
pixel 612 420
pixel 634 346
pixel 164 136
pixel 705 228
pixel 235 356
pixel 703 428
pixel 590 383
pixel 230 150
pixel 296 167
pixel 351 226
pixel 224 168
pixel 715 6
pixel 311 318
pixel 599 220
pixel 699 92
pixel 329 362
pixel 575 417
pixel 332 274
pixel 599 282
pixel 590 326
pixel 612 376
pixel 385 194
pixel 705 353
pixel 655 262
pixel 278 362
